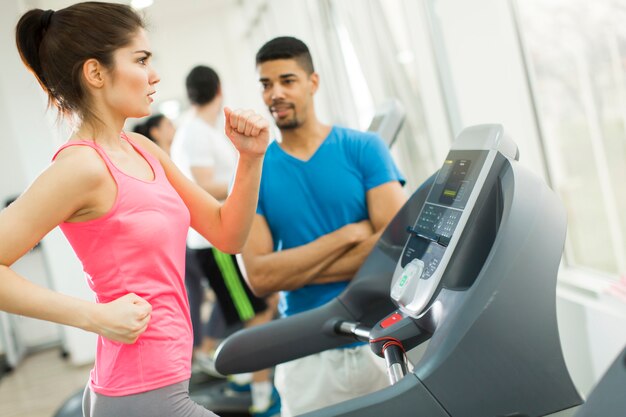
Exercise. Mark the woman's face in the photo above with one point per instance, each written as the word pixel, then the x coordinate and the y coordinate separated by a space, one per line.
pixel 164 132
pixel 132 80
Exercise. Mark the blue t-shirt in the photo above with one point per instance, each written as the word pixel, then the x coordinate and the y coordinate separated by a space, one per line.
pixel 303 200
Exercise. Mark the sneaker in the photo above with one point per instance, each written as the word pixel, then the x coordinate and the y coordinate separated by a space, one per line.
pixel 273 410
pixel 236 388
pixel 205 363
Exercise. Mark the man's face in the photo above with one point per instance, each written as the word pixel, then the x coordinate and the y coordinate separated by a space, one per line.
pixel 287 91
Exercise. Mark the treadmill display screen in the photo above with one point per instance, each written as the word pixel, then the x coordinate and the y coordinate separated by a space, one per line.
pixel 441 213
pixel 456 178
pixel 454 188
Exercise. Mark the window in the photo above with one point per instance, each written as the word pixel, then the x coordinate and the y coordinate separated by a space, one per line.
pixel 576 56
pixel 379 33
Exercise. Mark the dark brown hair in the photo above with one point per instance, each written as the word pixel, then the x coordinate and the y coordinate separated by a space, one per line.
pixel 146 127
pixel 286 47
pixel 202 84
pixel 55 45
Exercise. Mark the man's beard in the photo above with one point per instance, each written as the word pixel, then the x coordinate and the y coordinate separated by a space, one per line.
pixel 286 124
pixel 290 124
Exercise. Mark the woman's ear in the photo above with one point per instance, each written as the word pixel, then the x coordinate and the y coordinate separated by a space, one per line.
pixel 93 73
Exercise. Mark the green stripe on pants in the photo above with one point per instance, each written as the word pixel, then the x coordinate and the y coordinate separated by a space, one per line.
pixel 233 284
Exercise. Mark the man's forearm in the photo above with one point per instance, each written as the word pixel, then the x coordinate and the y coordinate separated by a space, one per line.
pixel 346 266
pixel 383 203
pixel 293 268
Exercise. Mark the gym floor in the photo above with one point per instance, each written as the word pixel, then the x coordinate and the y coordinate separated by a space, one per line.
pixel 40 384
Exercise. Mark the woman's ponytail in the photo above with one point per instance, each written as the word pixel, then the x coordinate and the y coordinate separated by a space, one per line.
pixel 29 34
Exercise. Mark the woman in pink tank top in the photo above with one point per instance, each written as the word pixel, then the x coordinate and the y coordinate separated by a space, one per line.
pixel 123 206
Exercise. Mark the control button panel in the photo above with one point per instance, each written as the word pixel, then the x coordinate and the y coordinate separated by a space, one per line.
pixel 438 221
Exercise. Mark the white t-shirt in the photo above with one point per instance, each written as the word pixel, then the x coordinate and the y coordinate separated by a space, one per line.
pixel 198 144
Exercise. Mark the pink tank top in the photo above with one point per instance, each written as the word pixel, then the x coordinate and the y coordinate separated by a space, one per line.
pixel 138 247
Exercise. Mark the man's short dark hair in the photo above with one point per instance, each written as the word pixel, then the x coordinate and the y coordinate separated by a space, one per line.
pixel 286 47
pixel 203 84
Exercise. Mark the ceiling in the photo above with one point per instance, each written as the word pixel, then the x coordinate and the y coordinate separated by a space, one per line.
pixel 160 9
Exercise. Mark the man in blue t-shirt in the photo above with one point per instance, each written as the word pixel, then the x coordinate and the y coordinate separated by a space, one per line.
pixel 326 195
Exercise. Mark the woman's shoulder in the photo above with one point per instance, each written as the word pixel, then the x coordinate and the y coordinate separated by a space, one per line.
pixel 80 164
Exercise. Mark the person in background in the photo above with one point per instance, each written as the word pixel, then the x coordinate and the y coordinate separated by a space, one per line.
pixel 327 193
pixel 124 207
pixel 159 129
pixel 207 157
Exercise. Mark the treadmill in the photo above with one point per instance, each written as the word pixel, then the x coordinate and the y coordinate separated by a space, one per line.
pixel 388 120
pixel 469 264
pixel 607 398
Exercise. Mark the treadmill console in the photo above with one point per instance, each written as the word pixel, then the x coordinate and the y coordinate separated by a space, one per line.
pixel 438 227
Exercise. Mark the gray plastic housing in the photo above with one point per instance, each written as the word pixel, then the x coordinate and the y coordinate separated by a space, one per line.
pixel 607 398
pixel 494 349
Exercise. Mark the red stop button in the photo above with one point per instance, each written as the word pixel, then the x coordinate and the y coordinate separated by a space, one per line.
pixel 391 320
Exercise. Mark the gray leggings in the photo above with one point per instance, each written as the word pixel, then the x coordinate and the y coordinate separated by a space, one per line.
pixel 170 401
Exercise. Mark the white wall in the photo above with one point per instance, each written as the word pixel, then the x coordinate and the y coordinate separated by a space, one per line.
pixel 487 71
pixel 211 35
pixel 591 324
pixel 12 180
pixel 26 147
